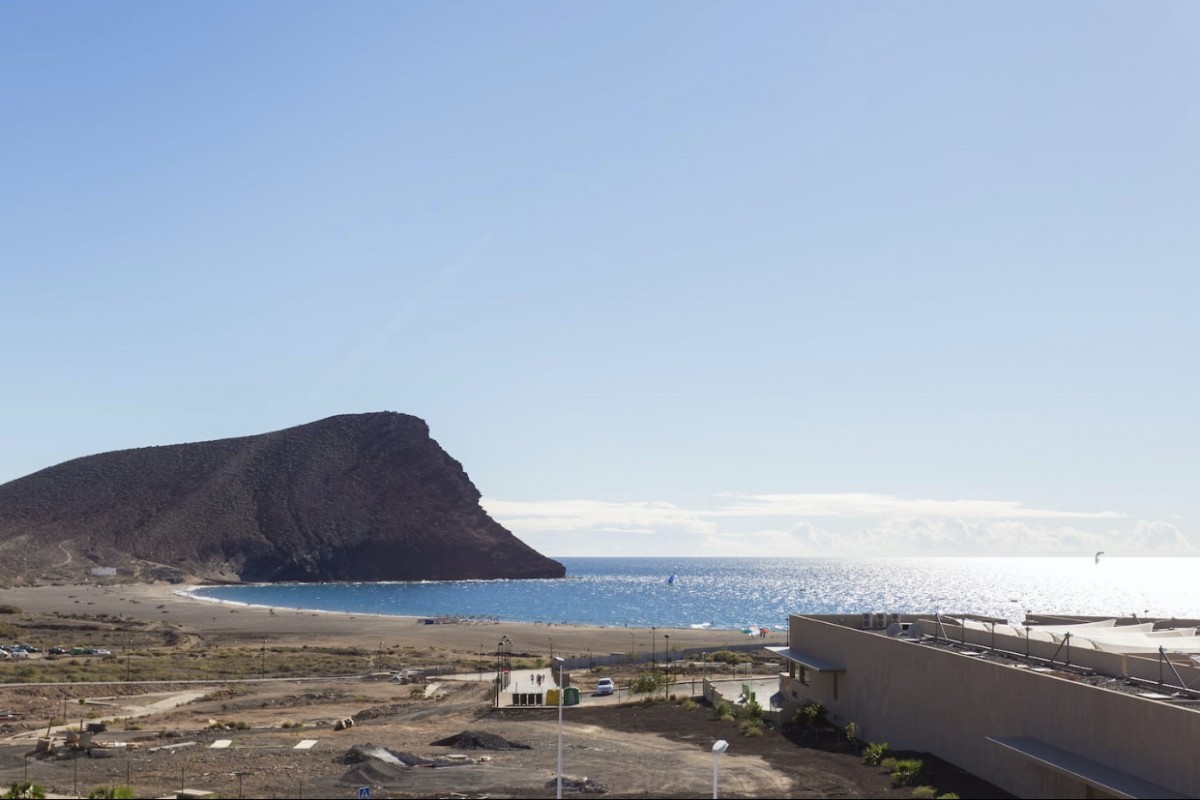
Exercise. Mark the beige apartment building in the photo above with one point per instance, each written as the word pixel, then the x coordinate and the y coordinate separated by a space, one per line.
pixel 1050 707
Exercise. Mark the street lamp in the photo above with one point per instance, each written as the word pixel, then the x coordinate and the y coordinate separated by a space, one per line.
pixel 653 631
pixel 720 746
pixel 667 658
pixel 561 687
pixel 551 638
pixel 499 669
pixel 505 643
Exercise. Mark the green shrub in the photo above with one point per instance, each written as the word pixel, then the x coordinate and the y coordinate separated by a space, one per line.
pixel 113 792
pixel 924 793
pixel 730 657
pixel 907 772
pixel 810 715
pixel 25 789
pixel 722 711
pixel 874 753
pixel 947 796
pixel 689 704
pixel 889 763
pixel 646 683
pixel 751 727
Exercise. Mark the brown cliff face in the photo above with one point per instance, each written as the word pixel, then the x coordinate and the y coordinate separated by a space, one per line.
pixel 356 497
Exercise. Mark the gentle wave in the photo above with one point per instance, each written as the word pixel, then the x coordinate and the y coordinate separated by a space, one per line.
pixel 737 593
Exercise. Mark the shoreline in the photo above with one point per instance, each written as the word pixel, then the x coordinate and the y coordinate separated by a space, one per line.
pixel 225 623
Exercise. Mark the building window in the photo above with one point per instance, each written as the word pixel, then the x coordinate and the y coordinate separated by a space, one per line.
pixel 804 676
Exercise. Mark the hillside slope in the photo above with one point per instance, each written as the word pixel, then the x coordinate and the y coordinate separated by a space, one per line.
pixel 354 497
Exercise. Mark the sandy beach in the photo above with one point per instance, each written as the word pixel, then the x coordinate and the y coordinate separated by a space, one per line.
pixel 239 624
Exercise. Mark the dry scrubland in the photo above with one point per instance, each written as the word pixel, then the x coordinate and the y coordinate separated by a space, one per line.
pixel 197 670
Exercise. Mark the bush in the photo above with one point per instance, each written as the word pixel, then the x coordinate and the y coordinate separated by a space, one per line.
pixel 646 683
pixel 25 789
pixel 874 753
pixel 888 764
pixel 907 771
pixel 751 727
pixel 722 711
pixel 810 715
pixel 730 657
pixel 689 704
pixel 947 796
pixel 924 793
pixel 114 792
pixel 752 711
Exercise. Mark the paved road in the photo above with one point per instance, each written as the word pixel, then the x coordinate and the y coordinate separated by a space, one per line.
pixel 526 681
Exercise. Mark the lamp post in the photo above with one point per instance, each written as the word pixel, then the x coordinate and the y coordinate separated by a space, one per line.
pixel 667 658
pixel 720 746
pixel 499 669
pixel 551 638
pixel 558 791
pixel 653 653
pixel 1027 630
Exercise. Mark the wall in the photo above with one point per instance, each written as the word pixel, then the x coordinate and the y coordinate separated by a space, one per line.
pixel 920 697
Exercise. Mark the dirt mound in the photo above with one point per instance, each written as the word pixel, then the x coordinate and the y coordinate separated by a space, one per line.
pixel 363 753
pixel 479 740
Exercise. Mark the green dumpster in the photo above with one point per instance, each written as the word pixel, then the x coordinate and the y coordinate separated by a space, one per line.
pixel 570 696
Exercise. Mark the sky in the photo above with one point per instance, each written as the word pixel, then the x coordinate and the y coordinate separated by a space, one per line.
pixel 668 279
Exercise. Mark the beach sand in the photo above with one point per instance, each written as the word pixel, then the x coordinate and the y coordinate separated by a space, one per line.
pixel 237 624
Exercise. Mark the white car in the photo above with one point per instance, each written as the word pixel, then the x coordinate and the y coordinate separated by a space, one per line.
pixel 605 686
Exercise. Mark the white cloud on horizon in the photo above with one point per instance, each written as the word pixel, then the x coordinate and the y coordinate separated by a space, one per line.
pixel 594 515
pixel 855 525
pixel 864 504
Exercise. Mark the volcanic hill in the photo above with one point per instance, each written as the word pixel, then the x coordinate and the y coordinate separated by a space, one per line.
pixel 365 497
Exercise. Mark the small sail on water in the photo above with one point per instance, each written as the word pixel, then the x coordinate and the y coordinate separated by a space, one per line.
pixel 1098 556
pixel 671 581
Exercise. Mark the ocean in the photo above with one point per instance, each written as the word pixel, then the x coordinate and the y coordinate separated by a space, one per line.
pixel 740 593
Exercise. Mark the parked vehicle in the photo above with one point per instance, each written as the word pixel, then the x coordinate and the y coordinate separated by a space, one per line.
pixel 605 686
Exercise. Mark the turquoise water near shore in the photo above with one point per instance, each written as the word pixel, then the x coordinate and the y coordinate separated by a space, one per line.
pixel 736 593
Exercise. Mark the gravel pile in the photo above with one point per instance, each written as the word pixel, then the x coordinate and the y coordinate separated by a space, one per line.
pixel 479 740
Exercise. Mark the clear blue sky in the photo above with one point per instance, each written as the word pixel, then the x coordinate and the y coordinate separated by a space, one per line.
pixel 667 278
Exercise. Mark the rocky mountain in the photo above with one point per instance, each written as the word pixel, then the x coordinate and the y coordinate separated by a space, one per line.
pixel 366 497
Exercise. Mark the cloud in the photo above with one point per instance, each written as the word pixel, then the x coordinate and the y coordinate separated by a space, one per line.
pixel 594 515
pixel 832 525
pixel 861 504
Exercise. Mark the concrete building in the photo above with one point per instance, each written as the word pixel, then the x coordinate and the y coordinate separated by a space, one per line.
pixel 1038 709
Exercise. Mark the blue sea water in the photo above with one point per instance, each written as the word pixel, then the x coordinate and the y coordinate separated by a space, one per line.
pixel 735 593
